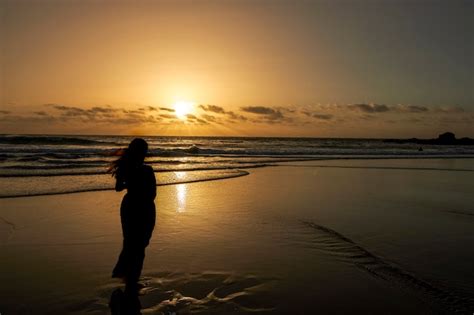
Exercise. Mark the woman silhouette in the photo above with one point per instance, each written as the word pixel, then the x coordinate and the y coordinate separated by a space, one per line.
pixel 137 211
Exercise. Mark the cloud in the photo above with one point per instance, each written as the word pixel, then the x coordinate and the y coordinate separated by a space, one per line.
pixel 268 112
pixel 106 109
pixel 236 117
pixel 414 109
pixel 166 109
pixel 400 108
pixel 370 108
pixel 260 110
pixel 16 119
pixel 287 109
pixel 202 121
pixel 41 113
pixel 212 108
pixel 69 110
pixel 288 116
pixel 101 115
pixel 168 116
pixel 219 110
pixel 318 115
pixel 209 118
pixel 323 116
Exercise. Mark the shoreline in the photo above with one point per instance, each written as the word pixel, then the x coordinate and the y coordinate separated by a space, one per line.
pixel 243 171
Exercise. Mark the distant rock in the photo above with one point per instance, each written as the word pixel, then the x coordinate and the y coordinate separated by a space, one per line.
pixel 447 138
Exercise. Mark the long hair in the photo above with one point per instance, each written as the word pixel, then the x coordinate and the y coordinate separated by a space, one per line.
pixel 129 158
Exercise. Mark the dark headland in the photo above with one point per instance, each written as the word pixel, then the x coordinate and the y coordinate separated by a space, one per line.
pixel 447 138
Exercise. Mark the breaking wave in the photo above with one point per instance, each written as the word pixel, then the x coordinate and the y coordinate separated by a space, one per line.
pixel 51 140
pixel 66 184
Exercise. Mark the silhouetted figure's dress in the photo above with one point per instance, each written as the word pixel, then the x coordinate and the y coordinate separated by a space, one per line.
pixel 137 214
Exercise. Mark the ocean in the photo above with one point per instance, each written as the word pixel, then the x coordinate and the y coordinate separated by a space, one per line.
pixel 43 164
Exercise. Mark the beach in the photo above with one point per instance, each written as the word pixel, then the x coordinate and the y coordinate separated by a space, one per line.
pixel 332 237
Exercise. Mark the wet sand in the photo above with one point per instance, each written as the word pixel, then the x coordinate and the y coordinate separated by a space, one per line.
pixel 333 237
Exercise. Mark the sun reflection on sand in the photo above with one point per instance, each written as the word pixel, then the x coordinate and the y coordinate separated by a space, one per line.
pixel 181 192
pixel 181 195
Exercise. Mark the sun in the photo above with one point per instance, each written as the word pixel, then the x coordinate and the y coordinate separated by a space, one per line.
pixel 183 108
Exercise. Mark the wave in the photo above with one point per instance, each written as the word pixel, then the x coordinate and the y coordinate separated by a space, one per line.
pixel 62 167
pixel 64 172
pixel 101 150
pixel 334 243
pixel 51 140
pixel 57 186
pixel 196 151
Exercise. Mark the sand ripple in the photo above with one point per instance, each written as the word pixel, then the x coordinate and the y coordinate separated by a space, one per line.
pixel 347 250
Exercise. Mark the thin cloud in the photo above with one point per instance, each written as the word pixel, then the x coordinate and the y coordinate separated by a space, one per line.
pixel 202 121
pixel 320 116
pixel 213 108
pixel 29 119
pixel 323 116
pixel 168 116
pixel 41 113
pixel 219 110
pixel 101 115
pixel 414 109
pixel 209 118
pixel 260 110
pixel 106 109
pixel 166 109
pixel 236 117
pixel 370 108
pixel 268 112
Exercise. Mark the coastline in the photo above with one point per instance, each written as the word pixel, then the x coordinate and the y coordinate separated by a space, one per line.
pixel 17 186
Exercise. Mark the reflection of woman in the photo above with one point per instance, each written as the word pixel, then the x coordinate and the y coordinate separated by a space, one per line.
pixel 137 211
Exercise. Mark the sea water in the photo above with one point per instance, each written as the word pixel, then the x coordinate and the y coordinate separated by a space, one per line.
pixel 45 164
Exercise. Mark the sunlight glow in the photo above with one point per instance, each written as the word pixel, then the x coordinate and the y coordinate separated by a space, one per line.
pixel 183 108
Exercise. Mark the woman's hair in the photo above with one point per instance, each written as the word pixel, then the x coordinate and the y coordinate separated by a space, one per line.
pixel 130 157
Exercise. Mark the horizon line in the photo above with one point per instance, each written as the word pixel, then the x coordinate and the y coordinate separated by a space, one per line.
pixel 184 136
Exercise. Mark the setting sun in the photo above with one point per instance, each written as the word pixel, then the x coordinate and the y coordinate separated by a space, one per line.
pixel 182 108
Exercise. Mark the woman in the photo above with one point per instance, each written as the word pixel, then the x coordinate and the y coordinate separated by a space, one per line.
pixel 137 211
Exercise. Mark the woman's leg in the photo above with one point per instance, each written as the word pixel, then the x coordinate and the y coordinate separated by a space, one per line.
pixel 123 263
pixel 141 239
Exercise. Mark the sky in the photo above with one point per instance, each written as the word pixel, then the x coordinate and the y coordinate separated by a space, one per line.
pixel 339 68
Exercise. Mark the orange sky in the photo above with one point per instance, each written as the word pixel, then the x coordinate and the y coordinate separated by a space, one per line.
pixel 270 68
